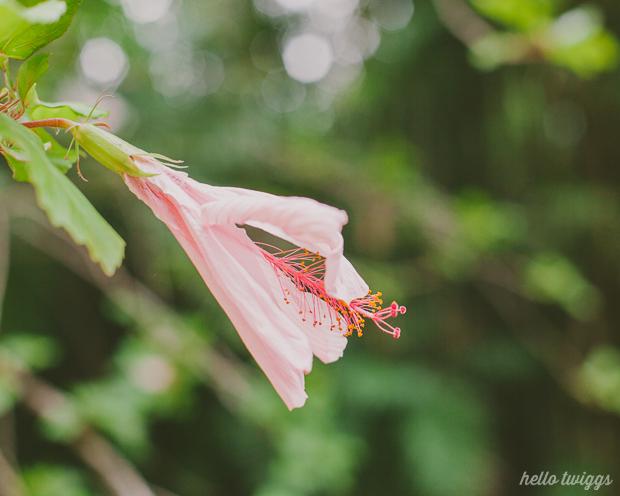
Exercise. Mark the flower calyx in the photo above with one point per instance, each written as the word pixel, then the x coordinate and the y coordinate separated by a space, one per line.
pixel 105 147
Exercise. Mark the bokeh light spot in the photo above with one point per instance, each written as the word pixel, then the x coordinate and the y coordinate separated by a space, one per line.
pixel 392 15
pixel 307 57
pixel 145 11
pixel 296 5
pixel 103 61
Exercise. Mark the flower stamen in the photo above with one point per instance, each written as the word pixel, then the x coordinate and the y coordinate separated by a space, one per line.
pixel 307 271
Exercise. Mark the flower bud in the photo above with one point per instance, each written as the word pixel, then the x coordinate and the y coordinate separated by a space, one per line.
pixel 108 149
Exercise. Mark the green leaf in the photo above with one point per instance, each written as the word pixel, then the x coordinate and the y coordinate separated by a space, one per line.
pixel 47 21
pixel 523 14
pixel 36 352
pixel 551 277
pixel 55 480
pixel 66 110
pixel 9 393
pixel 63 423
pixel 118 408
pixel 56 153
pixel 65 205
pixel 19 25
pixel 30 72
pixel 14 151
pixel 19 173
pixel 12 23
pixel 590 57
pixel 44 12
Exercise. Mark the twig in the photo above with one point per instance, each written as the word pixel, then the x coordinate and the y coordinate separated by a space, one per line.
pixel 4 255
pixel 7 436
pixel 466 25
pixel 461 20
pixel 548 346
pixel 118 473
pixel 10 482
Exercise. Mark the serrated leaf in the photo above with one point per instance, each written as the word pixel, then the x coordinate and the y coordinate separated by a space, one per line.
pixel 65 110
pixel 17 21
pixel 64 203
pixel 56 152
pixel 14 151
pixel 51 23
pixel 30 72
pixel 19 172
pixel 12 24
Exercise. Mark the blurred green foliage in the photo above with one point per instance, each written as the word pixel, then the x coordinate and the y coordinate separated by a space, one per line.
pixel 487 202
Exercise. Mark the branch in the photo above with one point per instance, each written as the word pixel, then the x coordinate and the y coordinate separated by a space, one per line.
pixel 10 482
pixel 461 20
pixel 4 255
pixel 466 25
pixel 547 344
pixel 117 473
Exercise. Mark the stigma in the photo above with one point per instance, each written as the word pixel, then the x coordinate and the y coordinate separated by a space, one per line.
pixel 306 271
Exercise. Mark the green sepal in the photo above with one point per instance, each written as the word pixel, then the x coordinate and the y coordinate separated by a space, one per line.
pixel 159 156
pixel 109 150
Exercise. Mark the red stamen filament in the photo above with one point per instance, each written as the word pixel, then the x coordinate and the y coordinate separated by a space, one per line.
pixel 307 270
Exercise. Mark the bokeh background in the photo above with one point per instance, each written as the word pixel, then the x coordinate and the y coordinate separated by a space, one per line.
pixel 475 148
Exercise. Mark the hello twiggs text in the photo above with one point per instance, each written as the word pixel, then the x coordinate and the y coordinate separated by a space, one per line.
pixel 587 481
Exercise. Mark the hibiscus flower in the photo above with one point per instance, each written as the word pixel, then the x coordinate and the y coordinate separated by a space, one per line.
pixel 286 305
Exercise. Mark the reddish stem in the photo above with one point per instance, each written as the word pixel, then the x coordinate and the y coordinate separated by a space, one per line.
pixel 57 122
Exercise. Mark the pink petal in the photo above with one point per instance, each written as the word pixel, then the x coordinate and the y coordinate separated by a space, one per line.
pixel 301 221
pixel 235 271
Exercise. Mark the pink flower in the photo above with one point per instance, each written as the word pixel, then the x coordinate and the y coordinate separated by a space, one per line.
pixel 286 306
